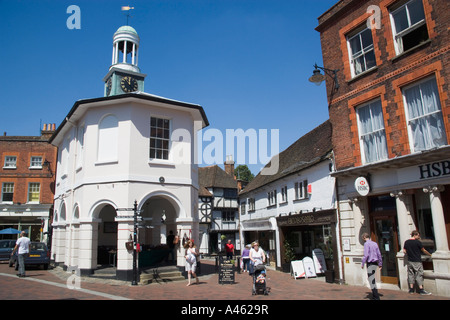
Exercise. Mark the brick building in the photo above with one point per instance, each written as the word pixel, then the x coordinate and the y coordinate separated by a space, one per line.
pixel 391 130
pixel 27 182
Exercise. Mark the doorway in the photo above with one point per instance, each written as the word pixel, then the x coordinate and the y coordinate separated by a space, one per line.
pixel 384 231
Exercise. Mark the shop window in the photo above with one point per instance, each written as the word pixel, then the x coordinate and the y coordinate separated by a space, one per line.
pixel 361 50
pixel 425 220
pixel 408 25
pixel 372 135
pixel 424 116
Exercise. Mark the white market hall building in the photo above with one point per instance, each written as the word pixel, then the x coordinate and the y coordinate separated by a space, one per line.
pixel 114 150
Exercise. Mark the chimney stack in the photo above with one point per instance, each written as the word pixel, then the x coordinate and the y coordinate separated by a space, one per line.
pixel 229 166
pixel 48 130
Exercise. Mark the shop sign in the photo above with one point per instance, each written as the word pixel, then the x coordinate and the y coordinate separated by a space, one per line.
pixel 297 270
pixel 314 218
pixel 362 186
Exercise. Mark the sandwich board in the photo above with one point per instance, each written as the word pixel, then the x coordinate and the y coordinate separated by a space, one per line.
pixel 319 261
pixel 308 267
pixel 297 270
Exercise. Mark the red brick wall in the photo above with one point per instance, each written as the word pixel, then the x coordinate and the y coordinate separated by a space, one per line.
pixel 386 80
pixel 23 149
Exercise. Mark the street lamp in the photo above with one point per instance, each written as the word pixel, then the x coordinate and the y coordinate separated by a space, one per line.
pixel 317 78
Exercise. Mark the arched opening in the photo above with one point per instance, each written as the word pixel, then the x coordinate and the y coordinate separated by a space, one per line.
pixel 107 237
pixel 159 214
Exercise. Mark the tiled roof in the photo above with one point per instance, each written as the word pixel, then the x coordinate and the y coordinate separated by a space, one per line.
pixel 214 176
pixel 313 147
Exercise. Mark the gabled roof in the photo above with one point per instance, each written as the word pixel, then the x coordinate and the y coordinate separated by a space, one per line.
pixel 312 148
pixel 215 177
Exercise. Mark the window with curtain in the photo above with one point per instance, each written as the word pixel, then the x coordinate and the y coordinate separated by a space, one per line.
pixel 108 135
pixel 372 135
pixel 34 190
pixel 362 56
pixel 424 116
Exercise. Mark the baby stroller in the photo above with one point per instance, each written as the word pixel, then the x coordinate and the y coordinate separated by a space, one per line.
pixel 259 280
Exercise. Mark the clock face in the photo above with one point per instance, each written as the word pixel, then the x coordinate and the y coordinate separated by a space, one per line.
pixel 128 84
pixel 108 86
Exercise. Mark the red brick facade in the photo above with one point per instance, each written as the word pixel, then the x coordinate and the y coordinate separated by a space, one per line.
pixel 23 148
pixel 385 81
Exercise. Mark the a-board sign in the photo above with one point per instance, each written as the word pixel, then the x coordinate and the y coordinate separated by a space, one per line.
pixel 297 270
pixel 308 266
pixel 226 271
pixel 319 261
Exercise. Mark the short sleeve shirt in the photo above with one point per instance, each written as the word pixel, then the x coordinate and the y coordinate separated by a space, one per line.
pixel 413 249
pixel 23 244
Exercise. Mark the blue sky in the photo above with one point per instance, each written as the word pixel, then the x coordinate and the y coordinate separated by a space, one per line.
pixel 247 62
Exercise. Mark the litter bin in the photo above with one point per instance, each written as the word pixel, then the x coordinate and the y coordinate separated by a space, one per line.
pixel 329 276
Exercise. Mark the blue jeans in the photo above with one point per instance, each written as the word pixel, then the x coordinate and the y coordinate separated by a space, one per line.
pixel 21 262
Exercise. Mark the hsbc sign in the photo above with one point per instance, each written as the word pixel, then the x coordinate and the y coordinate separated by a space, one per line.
pixel 362 186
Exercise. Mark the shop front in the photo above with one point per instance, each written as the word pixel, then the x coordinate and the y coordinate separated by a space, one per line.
pixel 405 194
pixel 302 233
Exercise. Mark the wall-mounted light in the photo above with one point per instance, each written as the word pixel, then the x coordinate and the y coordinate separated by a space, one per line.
pixel 317 78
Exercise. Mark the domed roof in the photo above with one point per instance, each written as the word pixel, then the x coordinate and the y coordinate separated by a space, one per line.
pixel 126 29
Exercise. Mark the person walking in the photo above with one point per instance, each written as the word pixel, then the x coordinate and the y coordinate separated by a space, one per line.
pixel 23 249
pixel 372 258
pixel 246 258
pixel 191 260
pixel 256 256
pixel 413 248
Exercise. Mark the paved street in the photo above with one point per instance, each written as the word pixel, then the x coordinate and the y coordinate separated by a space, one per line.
pixel 52 285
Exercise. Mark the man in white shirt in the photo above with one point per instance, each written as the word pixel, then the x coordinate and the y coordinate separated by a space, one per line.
pixel 23 249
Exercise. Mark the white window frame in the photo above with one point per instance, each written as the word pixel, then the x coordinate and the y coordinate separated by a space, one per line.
pixel 372 133
pixel 272 198
pixel 398 36
pixel 301 190
pixel 7 187
pixel 363 53
pixel 163 139
pixel 251 204
pixel 34 187
pixel 409 119
pixel 284 195
pixel 34 163
pixel 10 162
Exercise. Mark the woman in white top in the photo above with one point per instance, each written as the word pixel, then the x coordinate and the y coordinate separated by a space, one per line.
pixel 257 255
pixel 191 260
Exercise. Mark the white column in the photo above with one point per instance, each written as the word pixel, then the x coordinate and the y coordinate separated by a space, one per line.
pixel 113 54
pixel 124 52
pixel 437 213
pixel 137 55
pixel 401 202
pixel 116 58
pixel 133 53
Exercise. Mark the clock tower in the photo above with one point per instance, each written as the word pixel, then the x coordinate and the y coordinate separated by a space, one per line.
pixel 124 75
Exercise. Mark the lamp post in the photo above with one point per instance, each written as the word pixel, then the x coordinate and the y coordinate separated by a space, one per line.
pixel 317 78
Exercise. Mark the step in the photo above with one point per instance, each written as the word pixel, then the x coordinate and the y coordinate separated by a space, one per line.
pixel 162 274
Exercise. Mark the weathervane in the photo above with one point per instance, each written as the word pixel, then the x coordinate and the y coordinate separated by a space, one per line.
pixel 127 8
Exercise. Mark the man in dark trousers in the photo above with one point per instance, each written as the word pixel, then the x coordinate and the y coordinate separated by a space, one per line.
pixel 413 248
pixel 372 257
